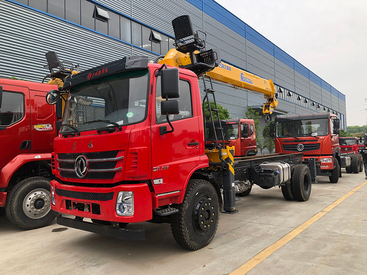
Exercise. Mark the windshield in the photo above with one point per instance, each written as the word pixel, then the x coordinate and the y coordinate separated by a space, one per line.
pixel 303 128
pixel 109 102
pixel 230 131
pixel 347 141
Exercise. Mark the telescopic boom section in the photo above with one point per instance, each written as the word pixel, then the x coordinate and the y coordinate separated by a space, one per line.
pixel 190 53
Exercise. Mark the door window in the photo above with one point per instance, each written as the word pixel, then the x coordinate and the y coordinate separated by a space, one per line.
pixel 12 108
pixel 184 102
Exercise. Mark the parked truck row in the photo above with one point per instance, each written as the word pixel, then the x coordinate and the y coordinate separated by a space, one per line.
pixel 134 146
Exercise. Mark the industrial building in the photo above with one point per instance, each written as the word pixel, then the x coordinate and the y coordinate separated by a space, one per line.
pixel 90 33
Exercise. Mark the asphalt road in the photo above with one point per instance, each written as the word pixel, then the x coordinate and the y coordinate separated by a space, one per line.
pixel 268 235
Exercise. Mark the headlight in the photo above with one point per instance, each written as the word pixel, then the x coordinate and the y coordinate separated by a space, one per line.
pixel 326 160
pixel 125 203
pixel 52 195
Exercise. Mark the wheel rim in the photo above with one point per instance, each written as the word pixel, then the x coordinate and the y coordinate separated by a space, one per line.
pixel 205 215
pixel 36 204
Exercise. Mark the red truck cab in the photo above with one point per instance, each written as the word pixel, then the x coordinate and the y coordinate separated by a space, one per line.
pixel 239 133
pixel 27 130
pixel 316 136
pixel 349 148
pixel 115 148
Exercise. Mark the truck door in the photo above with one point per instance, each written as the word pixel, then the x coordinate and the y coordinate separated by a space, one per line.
pixel 248 138
pixel 174 155
pixel 15 134
pixel 43 126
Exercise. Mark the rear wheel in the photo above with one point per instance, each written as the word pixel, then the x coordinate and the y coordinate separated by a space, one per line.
pixel 301 183
pixel 334 178
pixel 29 204
pixel 195 225
pixel 355 164
pixel 360 164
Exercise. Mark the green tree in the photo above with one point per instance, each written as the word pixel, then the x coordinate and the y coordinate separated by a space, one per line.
pixel 252 114
pixel 223 113
pixel 342 133
pixel 268 140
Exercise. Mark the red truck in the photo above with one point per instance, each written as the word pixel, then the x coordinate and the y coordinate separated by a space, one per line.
pixel 239 133
pixel 316 136
pixel 27 130
pixel 350 157
pixel 132 149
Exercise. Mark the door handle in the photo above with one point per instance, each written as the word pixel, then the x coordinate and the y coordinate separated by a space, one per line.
pixel 26 144
pixel 193 143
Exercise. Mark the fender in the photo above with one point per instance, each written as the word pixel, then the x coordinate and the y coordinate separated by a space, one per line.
pixel 203 163
pixel 9 169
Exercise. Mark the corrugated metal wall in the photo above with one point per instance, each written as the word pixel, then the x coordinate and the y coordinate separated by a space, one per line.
pixel 28 34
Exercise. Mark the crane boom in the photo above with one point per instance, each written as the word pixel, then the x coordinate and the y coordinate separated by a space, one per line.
pixel 231 75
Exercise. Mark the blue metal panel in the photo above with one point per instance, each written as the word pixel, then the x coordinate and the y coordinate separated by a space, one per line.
pixel 314 78
pixel 196 3
pixel 259 40
pixel 225 17
pixel 301 69
pixel 325 85
pixel 284 57
pixel 341 96
pixel 334 91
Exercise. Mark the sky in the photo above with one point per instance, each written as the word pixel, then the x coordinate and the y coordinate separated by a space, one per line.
pixel 329 37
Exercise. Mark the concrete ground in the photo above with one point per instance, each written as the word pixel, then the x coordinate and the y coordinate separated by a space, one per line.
pixel 336 243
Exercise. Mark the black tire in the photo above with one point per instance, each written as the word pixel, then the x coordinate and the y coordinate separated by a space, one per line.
pixel 28 205
pixel 195 225
pixel 349 169
pixel 287 191
pixel 245 193
pixel 334 178
pixel 360 165
pixel 301 183
pixel 355 164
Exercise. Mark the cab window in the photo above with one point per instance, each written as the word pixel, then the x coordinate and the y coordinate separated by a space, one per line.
pixel 12 108
pixel 184 102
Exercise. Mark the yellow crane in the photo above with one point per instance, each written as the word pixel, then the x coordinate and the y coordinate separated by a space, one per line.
pixel 190 53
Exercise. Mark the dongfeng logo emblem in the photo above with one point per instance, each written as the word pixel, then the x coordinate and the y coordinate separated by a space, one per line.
pixel 81 166
pixel 300 147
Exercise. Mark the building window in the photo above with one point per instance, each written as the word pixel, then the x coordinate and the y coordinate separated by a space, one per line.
pixel 147 44
pixel 25 2
pixel 73 11
pixel 57 8
pixel 38 4
pixel 125 25
pixel 87 10
pixel 114 26
pixel 164 45
pixel 136 34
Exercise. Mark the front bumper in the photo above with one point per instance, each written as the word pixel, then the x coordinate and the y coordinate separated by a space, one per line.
pixel 100 203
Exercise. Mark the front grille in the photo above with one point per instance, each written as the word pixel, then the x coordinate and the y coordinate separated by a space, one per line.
pixel 307 147
pixel 84 195
pixel 101 165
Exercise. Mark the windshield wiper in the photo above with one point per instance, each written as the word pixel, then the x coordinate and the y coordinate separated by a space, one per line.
pixel 115 124
pixel 70 133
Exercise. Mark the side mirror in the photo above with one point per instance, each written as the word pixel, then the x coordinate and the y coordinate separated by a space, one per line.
pixel 272 130
pixel 1 95
pixel 169 107
pixel 244 130
pixel 169 83
pixel 53 97
pixel 336 126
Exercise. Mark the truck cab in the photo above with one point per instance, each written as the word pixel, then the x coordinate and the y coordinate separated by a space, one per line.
pixel 27 130
pixel 238 133
pixel 349 149
pixel 316 136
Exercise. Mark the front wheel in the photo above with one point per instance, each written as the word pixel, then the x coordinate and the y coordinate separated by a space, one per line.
pixel 334 178
pixel 195 225
pixel 301 183
pixel 355 164
pixel 28 205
